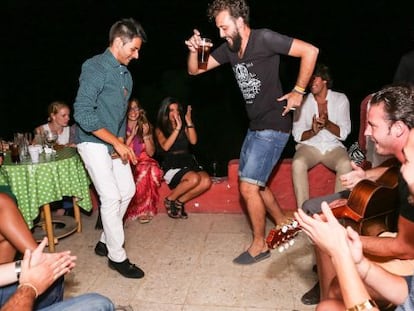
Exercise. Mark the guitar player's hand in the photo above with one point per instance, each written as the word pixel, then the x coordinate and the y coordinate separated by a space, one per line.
pixel 349 180
pixel 325 231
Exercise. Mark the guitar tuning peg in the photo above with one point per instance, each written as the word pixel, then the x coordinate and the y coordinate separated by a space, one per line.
pixel 281 249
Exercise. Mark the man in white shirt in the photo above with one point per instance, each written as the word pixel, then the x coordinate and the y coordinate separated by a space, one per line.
pixel 319 127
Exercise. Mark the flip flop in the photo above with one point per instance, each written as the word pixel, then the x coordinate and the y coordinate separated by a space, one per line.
pixel 246 259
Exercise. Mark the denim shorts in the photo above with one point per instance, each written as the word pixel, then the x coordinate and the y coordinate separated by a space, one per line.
pixel 260 152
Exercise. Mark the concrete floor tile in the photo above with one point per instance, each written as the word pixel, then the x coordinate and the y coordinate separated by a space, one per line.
pixel 215 290
pixel 188 267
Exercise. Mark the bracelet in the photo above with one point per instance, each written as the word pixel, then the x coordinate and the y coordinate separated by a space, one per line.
pixel 177 129
pixel 147 136
pixel 31 286
pixel 299 90
pixel 366 305
pixel 190 126
pixel 18 268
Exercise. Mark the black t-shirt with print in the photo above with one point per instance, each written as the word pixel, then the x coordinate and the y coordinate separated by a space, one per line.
pixel 257 74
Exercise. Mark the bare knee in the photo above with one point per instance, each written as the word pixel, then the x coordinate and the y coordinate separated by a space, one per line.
pixel 205 182
pixel 192 178
pixel 343 167
pixel 246 189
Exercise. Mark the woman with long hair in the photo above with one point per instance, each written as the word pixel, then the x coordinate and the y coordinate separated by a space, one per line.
pixel 147 173
pixel 175 133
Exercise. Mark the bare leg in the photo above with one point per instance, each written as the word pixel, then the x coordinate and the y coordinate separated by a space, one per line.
pixel 204 183
pixel 14 233
pixel 189 181
pixel 257 213
pixel 272 206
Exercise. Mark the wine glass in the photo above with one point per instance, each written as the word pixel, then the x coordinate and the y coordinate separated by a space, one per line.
pixel 50 139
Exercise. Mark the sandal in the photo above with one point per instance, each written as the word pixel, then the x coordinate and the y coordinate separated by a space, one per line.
pixel 181 210
pixel 144 219
pixel 171 208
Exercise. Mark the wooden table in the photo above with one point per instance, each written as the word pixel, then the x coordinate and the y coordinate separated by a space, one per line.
pixel 37 185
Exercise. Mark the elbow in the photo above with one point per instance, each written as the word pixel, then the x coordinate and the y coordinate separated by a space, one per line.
pixel 314 51
pixel 192 73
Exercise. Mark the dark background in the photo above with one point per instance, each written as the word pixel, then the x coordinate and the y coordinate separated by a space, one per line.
pixel 44 44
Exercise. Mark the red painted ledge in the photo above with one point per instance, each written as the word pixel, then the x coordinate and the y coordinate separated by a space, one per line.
pixel 224 197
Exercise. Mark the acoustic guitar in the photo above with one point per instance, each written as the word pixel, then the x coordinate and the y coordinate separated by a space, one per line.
pixel 369 210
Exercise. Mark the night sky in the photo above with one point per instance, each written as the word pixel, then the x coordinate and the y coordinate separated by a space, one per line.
pixel 44 44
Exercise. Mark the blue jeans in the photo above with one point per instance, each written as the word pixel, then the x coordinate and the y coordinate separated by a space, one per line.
pixel 53 294
pixel 51 300
pixel 260 152
pixel 91 302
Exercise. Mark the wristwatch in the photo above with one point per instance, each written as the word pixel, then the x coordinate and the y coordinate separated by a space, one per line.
pixel 366 305
pixel 18 268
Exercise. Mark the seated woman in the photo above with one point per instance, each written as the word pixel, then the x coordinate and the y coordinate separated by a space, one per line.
pixel 58 123
pixel 182 173
pixel 58 120
pixel 147 173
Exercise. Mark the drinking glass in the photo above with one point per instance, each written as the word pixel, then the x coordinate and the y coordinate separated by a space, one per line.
pixel 50 139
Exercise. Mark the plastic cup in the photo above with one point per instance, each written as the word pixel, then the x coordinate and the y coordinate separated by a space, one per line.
pixel 203 52
pixel 34 153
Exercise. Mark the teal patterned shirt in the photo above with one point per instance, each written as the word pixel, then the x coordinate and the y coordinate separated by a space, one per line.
pixel 104 89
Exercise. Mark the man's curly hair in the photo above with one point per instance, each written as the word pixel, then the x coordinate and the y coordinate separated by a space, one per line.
pixel 236 8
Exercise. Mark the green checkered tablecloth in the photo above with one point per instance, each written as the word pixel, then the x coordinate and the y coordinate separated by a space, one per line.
pixel 49 180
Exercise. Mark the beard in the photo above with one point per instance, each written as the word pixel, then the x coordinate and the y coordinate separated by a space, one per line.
pixel 236 42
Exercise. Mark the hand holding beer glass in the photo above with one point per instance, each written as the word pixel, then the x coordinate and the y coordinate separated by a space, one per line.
pixel 203 52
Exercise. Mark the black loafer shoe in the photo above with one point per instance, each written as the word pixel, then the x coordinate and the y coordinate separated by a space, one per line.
pixel 312 297
pixel 126 269
pixel 100 249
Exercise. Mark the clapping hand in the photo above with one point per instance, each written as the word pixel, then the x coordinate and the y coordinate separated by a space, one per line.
pixel 188 118
pixel 315 125
pixel 145 129
pixel 322 120
pixel 178 121
pixel 42 269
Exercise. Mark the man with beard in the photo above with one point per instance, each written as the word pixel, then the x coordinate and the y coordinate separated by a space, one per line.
pixel 390 119
pixel 254 55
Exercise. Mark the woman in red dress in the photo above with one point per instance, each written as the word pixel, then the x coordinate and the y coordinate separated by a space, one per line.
pixel 147 173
